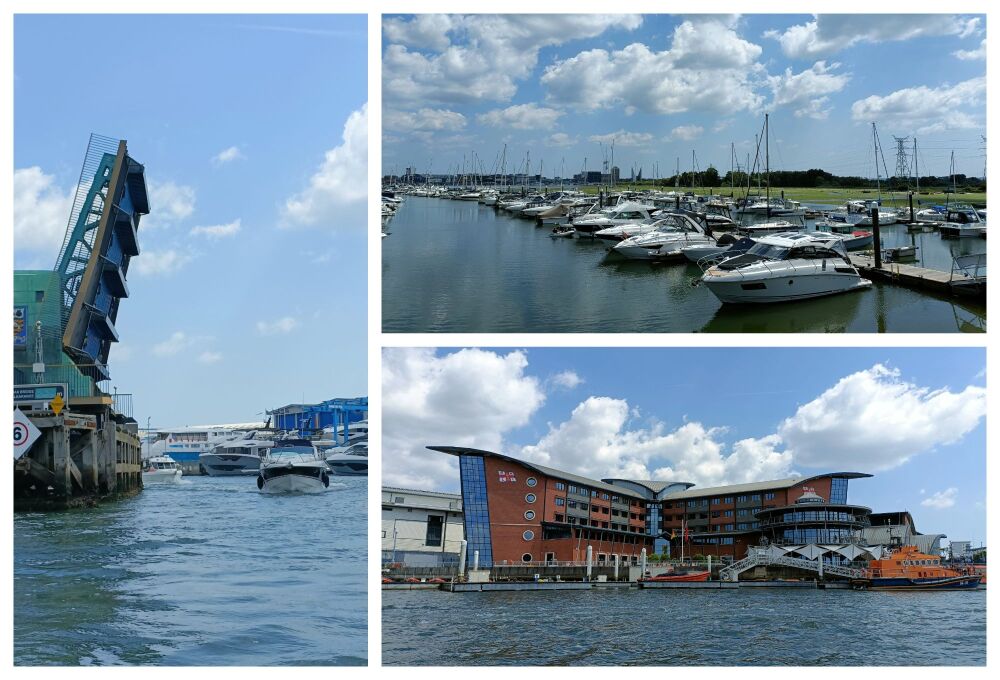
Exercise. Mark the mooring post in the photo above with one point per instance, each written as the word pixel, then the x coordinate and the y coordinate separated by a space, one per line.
pixel 820 567
pixel 60 457
pixel 913 216
pixel 642 564
pixel 710 557
pixel 475 560
pixel 877 238
pixel 590 561
pixel 462 554
pixel 616 566
pixel 88 463
pixel 677 202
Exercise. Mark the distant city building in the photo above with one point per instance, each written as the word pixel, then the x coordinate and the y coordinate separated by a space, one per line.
pixel 961 550
pixel 421 528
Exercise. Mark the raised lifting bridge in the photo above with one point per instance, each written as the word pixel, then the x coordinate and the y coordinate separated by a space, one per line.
pixel 762 559
pixel 87 446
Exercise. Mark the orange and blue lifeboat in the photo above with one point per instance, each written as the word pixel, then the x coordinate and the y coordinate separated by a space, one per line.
pixel 909 569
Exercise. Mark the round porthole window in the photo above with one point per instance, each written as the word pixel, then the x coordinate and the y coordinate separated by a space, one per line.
pixel 531 481
pixel 526 557
pixel 530 514
pixel 530 498
pixel 528 535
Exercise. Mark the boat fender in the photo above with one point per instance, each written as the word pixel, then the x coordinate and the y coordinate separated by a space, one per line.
pixel 260 482
pixel 326 479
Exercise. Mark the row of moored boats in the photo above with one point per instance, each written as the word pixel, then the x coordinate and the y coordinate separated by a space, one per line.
pixel 283 464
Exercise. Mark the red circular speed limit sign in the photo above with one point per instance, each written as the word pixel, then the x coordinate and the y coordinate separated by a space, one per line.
pixel 20 433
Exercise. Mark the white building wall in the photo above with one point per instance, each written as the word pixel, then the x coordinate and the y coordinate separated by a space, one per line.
pixel 405 516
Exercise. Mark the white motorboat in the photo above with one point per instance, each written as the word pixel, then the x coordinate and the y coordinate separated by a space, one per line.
pixel 854 238
pixel 760 229
pixel 785 267
pixel 235 458
pixel 161 470
pixel 624 213
pixel 349 462
pixel 564 231
pixel 962 223
pixel 726 246
pixel 293 466
pixel 672 233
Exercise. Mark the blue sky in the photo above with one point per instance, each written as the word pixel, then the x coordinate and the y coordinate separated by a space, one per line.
pixel 913 417
pixel 663 86
pixel 251 288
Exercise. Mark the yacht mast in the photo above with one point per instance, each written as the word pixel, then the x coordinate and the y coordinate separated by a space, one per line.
pixel 916 168
pixel 767 159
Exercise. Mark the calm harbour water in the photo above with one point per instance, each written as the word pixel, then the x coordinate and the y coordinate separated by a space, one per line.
pixel 205 572
pixel 749 626
pixel 457 266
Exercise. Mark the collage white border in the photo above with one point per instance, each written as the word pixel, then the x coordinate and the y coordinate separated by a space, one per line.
pixel 377 340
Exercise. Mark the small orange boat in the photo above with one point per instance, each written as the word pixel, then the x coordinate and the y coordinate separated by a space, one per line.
pixel 684 576
pixel 909 569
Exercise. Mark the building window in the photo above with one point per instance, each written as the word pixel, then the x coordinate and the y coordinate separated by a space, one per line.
pixel 838 490
pixel 755 497
pixel 769 497
pixel 572 489
pixel 715 501
pixel 584 506
pixel 526 557
pixel 530 498
pixel 729 513
pixel 560 501
pixel 529 515
pixel 435 526
pixel 729 499
pixel 560 486
pixel 399 500
pixel 531 481
pixel 604 497
pixel 528 535
pixel 741 499
pixel 476 510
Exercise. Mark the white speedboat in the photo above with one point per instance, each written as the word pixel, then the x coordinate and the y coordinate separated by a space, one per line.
pixel 236 458
pixel 854 238
pixel 785 267
pixel 160 470
pixel 624 213
pixel 293 466
pixel 962 223
pixel 727 246
pixel 672 233
pixel 759 229
pixel 349 462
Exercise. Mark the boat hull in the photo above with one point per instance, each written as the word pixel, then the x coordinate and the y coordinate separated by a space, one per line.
pixel 947 583
pixel 348 468
pixel 294 478
pixel 162 477
pixel 695 576
pixel 738 290
pixel 226 465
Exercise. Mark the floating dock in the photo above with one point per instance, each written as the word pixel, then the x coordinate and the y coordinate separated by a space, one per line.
pixel 526 586
pixel 904 274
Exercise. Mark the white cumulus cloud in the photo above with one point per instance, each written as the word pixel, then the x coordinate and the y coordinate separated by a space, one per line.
pixel 176 343
pixel 282 326
pixel 873 420
pixel 687 133
pixel 566 380
pixel 560 140
pixel 708 67
pixel 623 138
pixel 422 119
pixel 229 155
pixel 209 357
pixel 217 231
pixel 941 499
pixel 807 93
pixel 827 34
pixel 471 397
pixel 169 203
pixel 925 109
pixel 972 55
pixel 521 117
pixel 41 211
pixel 160 262
pixel 337 191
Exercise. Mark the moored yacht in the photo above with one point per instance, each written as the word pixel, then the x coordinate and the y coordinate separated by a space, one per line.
pixel 293 466
pixel 349 462
pixel 235 458
pixel 785 267
pixel 672 233
pixel 629 212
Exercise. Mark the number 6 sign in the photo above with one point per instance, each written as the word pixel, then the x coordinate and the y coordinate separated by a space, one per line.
pixel 25 433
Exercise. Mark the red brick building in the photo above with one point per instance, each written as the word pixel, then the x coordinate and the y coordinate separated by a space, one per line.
pixel 517 511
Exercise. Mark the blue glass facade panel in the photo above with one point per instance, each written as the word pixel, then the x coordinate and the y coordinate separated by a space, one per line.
pixel 476 509
pixel 838 490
